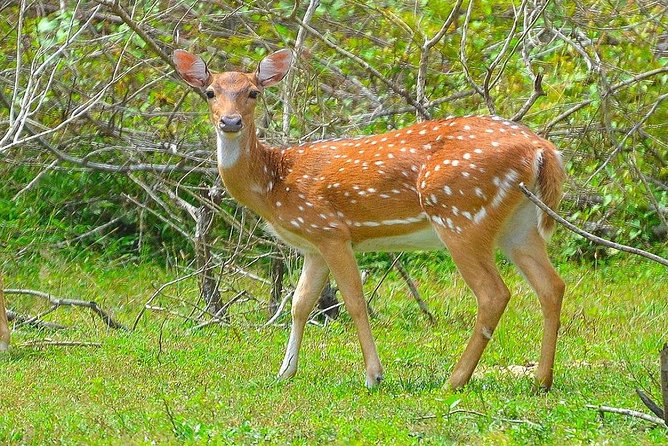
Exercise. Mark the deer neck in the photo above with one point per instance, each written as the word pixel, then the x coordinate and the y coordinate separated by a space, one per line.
pixel 248 169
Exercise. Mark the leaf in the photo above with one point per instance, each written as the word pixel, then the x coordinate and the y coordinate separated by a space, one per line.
pixel 46 25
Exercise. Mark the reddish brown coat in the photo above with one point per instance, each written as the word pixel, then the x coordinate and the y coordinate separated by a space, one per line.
pixel 452 181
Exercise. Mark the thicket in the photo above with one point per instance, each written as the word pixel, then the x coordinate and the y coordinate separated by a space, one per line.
pixel 102 148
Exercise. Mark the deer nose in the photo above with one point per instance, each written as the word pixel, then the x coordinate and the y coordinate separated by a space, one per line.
pixel 230 123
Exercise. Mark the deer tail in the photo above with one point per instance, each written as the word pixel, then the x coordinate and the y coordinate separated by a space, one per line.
pixel 549 181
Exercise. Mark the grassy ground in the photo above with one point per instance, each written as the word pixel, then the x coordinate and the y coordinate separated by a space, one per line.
pixel 167 384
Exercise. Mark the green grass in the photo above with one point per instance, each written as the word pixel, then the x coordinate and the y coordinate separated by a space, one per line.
pixel 168 384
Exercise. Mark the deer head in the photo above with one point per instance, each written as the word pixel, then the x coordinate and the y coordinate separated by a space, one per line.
pixel 232 97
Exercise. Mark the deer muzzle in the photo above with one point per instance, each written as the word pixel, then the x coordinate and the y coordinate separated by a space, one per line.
pixel 230 123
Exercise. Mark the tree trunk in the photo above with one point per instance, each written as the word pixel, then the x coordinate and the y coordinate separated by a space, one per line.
pixel 277 272
pixel 328 303
pixel 208 285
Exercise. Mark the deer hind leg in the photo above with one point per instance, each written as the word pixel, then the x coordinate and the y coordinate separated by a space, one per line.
pixel 479 272
pixel 311 282
pixel 342 263
pixel 526 249
pixel 4 325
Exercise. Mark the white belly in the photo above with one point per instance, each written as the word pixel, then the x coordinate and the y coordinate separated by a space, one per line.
pixel 422 240
pixel 291 239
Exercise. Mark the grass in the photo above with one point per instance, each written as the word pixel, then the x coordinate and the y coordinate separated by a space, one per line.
pixel 167 384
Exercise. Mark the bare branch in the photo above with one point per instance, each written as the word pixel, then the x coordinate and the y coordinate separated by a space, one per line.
pixel 629 413
pixel 377 74
pixel 93 231
pixel 462 54
pixel 32 321
pixel 490 69
pixel 289 79
pixel 413 290
pixel 51 343
pixel 633 130
pixel 424 53
pixel 57 301
pixel 157 293
pixel 587 235
pixel 613 88
pixel 537 92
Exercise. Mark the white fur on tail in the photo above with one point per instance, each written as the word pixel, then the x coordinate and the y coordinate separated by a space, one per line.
pixel 550 176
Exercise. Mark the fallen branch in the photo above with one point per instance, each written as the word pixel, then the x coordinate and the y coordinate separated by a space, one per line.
pixel 172 313
pixel 57 302
pixel 157 292
pixel 587 235
pixel 661 414
pixel 664 381
pixel 50 343
pixel 480 414
pixel 628 412
pixel 651 405
pixel 32 321
pixel 217 319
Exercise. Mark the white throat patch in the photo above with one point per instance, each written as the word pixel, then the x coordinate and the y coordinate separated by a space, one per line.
pixel 228 149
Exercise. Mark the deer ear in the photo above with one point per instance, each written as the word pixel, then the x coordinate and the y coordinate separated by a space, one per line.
pixel 274 67
pixel 192 69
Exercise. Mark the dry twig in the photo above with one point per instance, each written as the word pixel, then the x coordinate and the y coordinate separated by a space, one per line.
pixel 58 301
pixel 413 289
pixel 50 343
pixel 651 405
pixel 587 235
pixel 629 413
pixel 480 414
pixel 32 321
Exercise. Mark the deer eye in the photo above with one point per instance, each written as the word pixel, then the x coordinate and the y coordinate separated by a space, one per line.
pixel 210 94
pixel 253 94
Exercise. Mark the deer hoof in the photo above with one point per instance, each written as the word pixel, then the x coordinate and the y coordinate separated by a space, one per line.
pixel 372 381
pixel 456 383
pixel 286 373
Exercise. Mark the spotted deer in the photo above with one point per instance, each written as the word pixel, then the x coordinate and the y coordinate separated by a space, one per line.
pixel 450 182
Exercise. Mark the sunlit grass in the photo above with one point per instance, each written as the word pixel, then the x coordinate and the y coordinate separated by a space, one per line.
pixel 167 384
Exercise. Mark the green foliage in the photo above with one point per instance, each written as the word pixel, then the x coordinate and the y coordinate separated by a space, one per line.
pixel 69 204
pixel 143 106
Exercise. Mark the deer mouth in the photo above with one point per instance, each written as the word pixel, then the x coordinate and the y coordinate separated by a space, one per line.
pixel 230 128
